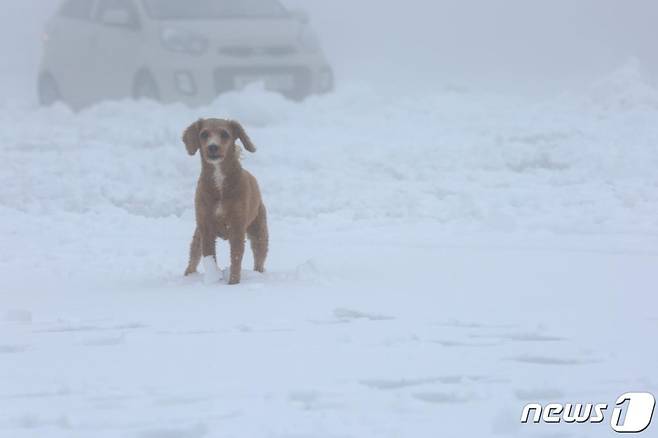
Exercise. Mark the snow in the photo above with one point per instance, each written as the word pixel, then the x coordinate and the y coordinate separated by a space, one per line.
pixel 436 263
pixel 211 272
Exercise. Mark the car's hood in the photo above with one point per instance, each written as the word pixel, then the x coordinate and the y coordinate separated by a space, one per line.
pixel 238 32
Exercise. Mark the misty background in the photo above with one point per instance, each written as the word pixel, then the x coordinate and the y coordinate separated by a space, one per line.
pixel 419 46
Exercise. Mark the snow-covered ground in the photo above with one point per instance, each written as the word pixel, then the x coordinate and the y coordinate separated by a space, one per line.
pixel 437 262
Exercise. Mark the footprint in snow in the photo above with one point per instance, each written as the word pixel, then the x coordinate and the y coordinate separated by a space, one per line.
pixel 33 422
pixel 474 325
pixel 520 337
pixel 71 328
pixel 13 349
pixel 385 385
pixel 532 337
pixel 109 341
pixel 19 316
pixel 60 392
pixel 445 397
pixel 314 400
pixel 198 431
pixel 552 361
pixel 347 315
pixel 453 344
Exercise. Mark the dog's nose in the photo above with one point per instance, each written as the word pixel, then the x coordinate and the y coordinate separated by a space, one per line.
pixel 213 148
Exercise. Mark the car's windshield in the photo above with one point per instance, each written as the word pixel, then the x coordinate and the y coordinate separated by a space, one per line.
pixel 214 9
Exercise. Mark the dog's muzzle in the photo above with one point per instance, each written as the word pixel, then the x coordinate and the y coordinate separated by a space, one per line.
pixel 213 152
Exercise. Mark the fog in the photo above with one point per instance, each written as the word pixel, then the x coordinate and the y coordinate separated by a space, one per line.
pixel 500 44
pixel 450 214
pixel 421 45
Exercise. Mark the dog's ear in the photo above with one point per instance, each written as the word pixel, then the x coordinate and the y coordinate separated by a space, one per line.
pixel 191 137
pixel 239 132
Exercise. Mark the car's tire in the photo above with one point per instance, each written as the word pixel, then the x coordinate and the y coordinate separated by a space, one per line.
pixel 145 87
pixel 330 87
pixel 48 90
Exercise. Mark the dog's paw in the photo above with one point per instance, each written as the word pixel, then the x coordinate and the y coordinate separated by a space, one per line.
pixel 212 274
pixel 190 271
pixel 234 278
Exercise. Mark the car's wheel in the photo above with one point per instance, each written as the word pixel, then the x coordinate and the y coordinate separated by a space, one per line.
pixel 327 81
pixel 48 89
pixel 145 87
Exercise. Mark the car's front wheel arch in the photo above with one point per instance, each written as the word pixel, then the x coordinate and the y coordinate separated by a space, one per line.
pixel 48 90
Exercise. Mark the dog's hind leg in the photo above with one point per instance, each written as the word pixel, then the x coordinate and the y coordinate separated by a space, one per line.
pixel 195 253
pixel 259 238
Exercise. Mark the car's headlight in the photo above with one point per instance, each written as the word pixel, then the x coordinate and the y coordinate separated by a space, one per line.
pixel 178 40
pixel 309 40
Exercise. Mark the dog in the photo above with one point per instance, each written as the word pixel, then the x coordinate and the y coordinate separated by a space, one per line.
pixel 228 201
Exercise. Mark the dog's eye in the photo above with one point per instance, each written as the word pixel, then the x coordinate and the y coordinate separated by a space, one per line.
pixel 204 135
pixel 224 135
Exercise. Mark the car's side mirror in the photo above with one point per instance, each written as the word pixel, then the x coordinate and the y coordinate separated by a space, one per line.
pixel 117 18
pixel 300 15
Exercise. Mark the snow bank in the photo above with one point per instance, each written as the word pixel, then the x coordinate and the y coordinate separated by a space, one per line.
pixel 628 88
pixel 463 160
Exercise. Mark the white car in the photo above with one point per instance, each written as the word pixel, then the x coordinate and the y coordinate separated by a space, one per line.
pixel 178 51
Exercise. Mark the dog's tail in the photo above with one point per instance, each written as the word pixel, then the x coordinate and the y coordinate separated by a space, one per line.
pixel 195 253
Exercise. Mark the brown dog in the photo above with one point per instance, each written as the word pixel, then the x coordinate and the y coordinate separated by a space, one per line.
pixel 228 201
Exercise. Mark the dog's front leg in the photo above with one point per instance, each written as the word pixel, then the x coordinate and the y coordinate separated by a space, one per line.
pixel 237 239
pixel 211 274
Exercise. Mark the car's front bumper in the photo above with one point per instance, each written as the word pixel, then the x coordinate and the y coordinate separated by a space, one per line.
pixel 199 80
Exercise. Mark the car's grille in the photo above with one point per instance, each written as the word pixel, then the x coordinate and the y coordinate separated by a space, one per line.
pixel 249 51
pixel 229 78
